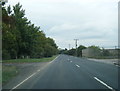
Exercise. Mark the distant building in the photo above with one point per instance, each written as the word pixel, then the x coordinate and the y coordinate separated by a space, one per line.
pixel 90 52
pixel 113 52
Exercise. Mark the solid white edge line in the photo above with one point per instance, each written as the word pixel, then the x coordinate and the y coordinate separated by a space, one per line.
pixel 103 83
pixel 54 59
pixel 77 65
pixel 38 70
pixel 23 81
pixel 29 77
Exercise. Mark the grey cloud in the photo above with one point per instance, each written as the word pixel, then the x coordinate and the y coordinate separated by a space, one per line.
pixel 92 21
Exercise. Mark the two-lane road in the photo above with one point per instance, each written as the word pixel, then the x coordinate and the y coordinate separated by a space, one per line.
pixel 68 72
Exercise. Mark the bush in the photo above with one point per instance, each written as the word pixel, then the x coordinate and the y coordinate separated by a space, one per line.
pixel 5 55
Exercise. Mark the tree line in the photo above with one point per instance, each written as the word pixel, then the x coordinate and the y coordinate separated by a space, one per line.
pixel 21 38
pixel 73 51
pixel 98 52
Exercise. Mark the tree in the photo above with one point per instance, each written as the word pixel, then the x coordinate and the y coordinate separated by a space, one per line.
pixel 9 11
pixel 105 52
pixel 95 47
pixel 79 50
pixel 51 42
pixel 21 38
pixel 71 52
pixel 48 50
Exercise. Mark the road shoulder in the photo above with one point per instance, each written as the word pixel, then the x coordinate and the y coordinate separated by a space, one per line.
pixel 25 69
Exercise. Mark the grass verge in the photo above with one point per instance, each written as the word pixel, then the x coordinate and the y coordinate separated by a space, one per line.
pixel 29 60
pixel 0 74
pixel 8 72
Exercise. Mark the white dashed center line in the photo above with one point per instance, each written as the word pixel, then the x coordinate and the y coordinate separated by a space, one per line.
pixel 104 83
pixel 77 65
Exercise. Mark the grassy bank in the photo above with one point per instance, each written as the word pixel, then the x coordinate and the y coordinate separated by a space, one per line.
pixel 29 60
pixel 8 72
pixel 0 73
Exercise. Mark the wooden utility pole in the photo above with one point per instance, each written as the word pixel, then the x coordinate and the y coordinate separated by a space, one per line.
pixel 69 46
pixel 76 45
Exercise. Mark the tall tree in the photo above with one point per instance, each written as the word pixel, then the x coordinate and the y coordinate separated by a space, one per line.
pixel 21 38
pixel 79 50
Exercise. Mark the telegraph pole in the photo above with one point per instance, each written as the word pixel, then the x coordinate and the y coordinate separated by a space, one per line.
pixel 115 47
pixel 76 45
pixel 69 46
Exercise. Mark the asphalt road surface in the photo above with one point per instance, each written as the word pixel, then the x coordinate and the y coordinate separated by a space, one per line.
pixel 68 72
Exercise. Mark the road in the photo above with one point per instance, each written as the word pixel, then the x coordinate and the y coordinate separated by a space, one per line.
pixel 68 72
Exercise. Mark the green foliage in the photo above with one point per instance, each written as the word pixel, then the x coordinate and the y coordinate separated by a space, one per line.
pixel 8 73
pixel 5 54
pixel 68 52
pixel 71 52
pixel 63 51
pixel 9 10
pixel 21 38
pixel 79 50
pixel 94 47
pixel 105 52
pixel 51 42
pixel 30 60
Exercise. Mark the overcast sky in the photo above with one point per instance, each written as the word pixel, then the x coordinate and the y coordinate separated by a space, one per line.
pixel 93 22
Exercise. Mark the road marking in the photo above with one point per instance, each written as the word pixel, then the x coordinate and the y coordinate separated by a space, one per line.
pixel 104 83
pixel 38 70
pixel 117 65
pixel 54 59
pixel 70 61
pixel 50 62
pixel 23 81
pixel 77 65
pixel 30 76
